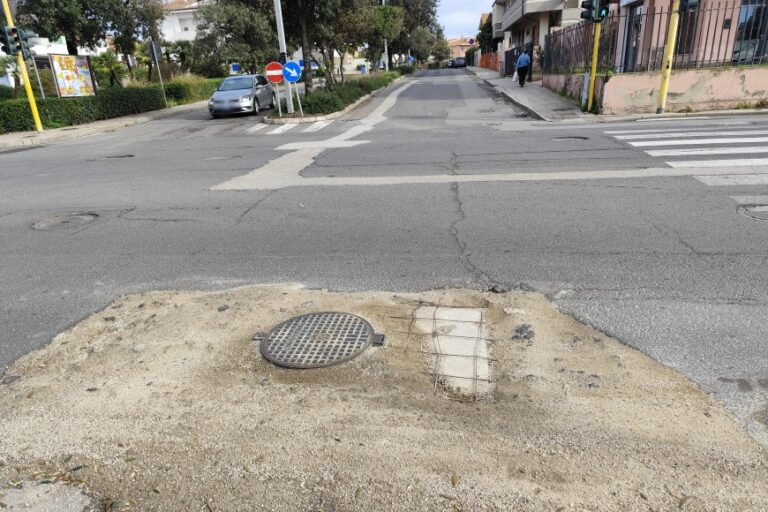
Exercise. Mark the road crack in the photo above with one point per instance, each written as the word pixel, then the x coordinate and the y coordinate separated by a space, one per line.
pixel 482 277
pixel 253 207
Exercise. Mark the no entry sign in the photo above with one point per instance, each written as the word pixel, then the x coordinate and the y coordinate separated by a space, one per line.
pixel 274 72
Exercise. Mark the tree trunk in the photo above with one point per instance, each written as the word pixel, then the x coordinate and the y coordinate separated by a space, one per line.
pixel 305 51
pixel 71 45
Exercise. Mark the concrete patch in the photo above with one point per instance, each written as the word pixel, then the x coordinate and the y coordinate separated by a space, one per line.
pixel 45 497
pixel 164 402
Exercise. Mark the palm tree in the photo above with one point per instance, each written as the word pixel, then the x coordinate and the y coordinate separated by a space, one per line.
pixel 9 65
pixel 108 63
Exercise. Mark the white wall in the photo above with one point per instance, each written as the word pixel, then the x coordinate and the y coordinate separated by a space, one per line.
pixel 179 26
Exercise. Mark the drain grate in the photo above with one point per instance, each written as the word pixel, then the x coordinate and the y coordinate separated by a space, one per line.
pixel 317 339
pixel 65 220
pixel 572 137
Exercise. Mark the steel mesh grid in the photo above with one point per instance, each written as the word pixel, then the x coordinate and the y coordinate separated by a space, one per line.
pixel 317 339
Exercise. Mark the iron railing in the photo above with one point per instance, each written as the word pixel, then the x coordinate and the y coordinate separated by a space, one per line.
pixel 633 40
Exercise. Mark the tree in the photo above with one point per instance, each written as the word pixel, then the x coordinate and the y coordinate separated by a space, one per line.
pixel 441 51
pixel 234 32
pixel 485 36
pixel 108 64
pixel 422 41
pixel 418 13
pixel 379 23
pixel 136 20
pixel 83 22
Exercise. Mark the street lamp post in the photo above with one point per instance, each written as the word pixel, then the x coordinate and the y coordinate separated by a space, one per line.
pixel 283 50
pixel 386 49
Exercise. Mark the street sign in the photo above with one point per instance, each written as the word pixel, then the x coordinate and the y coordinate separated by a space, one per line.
pixel 274 72
pixel 471 42
pixel 292 72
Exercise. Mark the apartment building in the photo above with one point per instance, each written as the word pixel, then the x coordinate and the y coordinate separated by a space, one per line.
pixel 525 23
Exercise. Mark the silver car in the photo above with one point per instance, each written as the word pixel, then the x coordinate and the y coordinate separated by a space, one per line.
pixel 243 93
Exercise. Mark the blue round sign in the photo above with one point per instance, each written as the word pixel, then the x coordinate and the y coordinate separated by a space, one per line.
pixel 292 71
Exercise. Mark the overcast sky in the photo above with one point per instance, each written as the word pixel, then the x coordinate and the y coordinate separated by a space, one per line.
pixel 461 17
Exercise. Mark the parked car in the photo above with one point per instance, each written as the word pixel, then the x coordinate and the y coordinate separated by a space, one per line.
pixel 458 62
pixel 243 93
pixel 450 63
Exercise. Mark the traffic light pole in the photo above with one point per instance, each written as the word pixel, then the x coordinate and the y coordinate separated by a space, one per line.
pixel 283 50
pixel 24 75
pixel 593 70
pixel 669 53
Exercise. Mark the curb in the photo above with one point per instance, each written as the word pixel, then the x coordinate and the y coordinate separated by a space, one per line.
pixel 525 107
pixel 333 115
pixel 21 139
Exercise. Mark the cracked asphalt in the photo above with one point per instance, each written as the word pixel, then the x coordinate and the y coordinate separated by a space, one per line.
pixel 667 264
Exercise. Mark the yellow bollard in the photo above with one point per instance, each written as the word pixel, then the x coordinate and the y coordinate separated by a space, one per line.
pixel 24 75
pixel 669 53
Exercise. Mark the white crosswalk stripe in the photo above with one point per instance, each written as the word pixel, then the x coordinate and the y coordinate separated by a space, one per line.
pixel 316 126
pixel 281 129
pixel 256 128
pixel 740 144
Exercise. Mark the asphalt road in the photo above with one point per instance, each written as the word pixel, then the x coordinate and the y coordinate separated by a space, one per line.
pixel 673 265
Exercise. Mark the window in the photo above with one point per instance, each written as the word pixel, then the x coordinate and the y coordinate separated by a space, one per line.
pixel 686 38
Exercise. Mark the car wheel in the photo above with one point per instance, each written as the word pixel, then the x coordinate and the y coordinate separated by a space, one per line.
pixel 255 106
pixel 215 116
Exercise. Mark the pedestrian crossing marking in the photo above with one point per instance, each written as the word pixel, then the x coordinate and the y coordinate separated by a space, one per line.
pixel 281 129
pixel 316 126
pixel 748 150
pixel 696 142
pixel 740 162
pixel 256 128
pixel 728 180
pixel 673 130
pixel 671 135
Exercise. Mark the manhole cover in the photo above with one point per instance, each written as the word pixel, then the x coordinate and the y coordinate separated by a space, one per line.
pixel 317 339
pixel 65 220
pixel 573 137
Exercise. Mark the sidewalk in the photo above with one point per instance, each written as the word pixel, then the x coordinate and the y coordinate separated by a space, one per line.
pixel 17 139
pixel 539 101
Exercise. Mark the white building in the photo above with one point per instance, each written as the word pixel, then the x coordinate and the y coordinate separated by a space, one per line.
pixel 179 23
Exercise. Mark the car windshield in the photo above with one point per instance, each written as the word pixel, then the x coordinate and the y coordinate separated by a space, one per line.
pixel 235 84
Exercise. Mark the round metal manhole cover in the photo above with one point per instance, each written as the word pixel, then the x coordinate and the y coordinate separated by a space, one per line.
pixel 65 220
pixel 316 340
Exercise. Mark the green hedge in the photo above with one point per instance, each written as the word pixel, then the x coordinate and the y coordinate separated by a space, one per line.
pixel 324 101
pixel 189 91
pixel 107 103
pixel 6 93
pixel 405 69
pixel 15 115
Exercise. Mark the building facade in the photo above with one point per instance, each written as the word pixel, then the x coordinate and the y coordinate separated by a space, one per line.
pixel 179 23
pixel 525 23
pixel 459 46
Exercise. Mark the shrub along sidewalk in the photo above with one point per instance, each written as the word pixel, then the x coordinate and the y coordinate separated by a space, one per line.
pixel 108 103
pixel 328 101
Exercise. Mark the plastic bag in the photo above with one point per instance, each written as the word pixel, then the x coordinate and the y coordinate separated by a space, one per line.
pixel 515 77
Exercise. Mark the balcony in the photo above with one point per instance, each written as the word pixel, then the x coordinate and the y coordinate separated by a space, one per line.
pixel 522 7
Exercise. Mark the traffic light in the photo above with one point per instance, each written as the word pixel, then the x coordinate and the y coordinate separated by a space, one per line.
pixel 24 36
pixel 588 12
pixel 10 39
pixel 688 5
pixel 601 9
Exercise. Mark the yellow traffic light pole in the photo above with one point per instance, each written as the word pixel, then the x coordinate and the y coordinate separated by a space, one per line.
pixel 669 53
pixel 23 69
pixel 593 71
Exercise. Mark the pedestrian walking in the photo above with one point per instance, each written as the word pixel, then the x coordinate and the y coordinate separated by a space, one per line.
pixel 522 66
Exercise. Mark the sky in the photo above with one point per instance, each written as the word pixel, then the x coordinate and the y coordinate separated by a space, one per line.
pixel 462 17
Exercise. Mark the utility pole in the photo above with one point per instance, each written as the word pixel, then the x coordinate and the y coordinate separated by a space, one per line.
pixel 669 53
pixel 386 49
pixel 21 63
pixel 283 50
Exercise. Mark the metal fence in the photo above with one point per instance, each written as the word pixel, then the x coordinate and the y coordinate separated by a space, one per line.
pixel 633 40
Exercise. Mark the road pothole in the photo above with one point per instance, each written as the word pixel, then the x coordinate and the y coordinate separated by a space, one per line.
pixel 64 220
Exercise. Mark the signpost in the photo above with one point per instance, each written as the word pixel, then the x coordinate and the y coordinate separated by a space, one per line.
pixel 274 72
pixel 292 74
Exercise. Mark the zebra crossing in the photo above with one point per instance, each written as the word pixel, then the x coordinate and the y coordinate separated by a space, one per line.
pixel 737 145
pixel 272 129
pixel 732 145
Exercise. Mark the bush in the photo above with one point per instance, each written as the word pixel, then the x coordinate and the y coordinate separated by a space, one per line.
pixel 190 89
pixel 57 112
pixel 405 69
pixel 6 93
pixel 324 101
